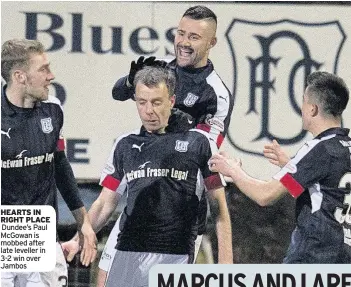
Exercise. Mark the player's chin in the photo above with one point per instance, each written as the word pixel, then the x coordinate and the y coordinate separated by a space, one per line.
pixel 185 62
pixel 45 94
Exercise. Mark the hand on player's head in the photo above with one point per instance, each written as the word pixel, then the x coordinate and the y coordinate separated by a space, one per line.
pixel 141 63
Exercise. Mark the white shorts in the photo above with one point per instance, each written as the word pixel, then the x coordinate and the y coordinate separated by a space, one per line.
pixel 109 250
pixel 131 269
pixel 25 279
pixel 55 278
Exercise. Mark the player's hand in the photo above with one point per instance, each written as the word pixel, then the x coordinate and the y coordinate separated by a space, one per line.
pixel 87 239
pixel 275 154
pixel 70 249
pixel 180 121
pixel 224 164
pixel 141 63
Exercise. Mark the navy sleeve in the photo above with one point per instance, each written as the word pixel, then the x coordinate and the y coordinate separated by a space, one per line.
pixel 121 92
pixel 65 181
pixel 308 167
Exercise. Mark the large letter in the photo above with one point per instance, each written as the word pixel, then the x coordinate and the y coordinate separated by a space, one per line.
pixel 58 41
pixel 135 39
pixel 116 40
pixel 73 150
pixel 161 281
pixel 77 28
pixel 170 35
pixel 60 92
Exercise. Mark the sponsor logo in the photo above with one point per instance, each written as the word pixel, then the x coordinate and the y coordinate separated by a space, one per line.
pixel 270 74
pixel 20 154
pixel 215 122
pixel 109 168
pixel 181 146
pixel 224 98
pixel 143 165
pixel 157 172
pixel 137 146
pixel 6 133
pixel 23 161
pixel 190 100
pixel 46 125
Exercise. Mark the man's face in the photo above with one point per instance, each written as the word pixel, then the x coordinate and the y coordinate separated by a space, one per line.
pixel 154 106
pixel 306 110
pixel 193 42
pixel 38 77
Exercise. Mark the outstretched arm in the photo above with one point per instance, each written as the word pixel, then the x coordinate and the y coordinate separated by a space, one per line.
pixel 99 213
pixel 275 154
pixel 223 227
pixel 102 208
pixel 262 192
pixel 68 188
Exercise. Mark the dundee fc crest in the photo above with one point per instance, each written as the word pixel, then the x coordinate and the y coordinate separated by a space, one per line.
pixel 46 125
pixel 270 65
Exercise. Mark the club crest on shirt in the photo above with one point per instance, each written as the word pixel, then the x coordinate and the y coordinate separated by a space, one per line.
pixel 190 99
pixel 46 125
pixel 181 146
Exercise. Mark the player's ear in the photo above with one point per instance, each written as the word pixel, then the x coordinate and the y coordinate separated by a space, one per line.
pixel 172 99
pixel 314 110
pixel 213 42
pixel 19 76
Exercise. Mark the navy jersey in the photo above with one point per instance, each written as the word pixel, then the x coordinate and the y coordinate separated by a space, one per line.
pixel 202 94
pixel 29 138
pixel 320 177
pixel 164 176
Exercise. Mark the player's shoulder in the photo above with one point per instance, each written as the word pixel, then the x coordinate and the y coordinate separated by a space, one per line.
pixel 218 86
pixel 335 147
pixel 52 107
pixel 126 138
pixel 325 146
pixel 200 134
pixel 52 102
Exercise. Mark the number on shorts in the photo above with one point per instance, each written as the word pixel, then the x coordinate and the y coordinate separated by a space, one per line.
pixel 63 280
pixel 343 214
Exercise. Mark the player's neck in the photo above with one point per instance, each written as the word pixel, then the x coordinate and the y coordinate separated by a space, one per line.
pixel 324 125
pixel 17 97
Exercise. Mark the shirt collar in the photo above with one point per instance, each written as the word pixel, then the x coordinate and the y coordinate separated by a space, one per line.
pixel 6 107
pixel 331 131
pixel 197 77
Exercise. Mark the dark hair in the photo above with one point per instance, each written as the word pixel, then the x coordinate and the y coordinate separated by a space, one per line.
pixel 330 91
pixel 153 76
pixel 200 13
pixel 15 54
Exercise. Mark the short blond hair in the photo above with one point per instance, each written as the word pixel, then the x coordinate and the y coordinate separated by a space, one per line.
pixel 16 53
